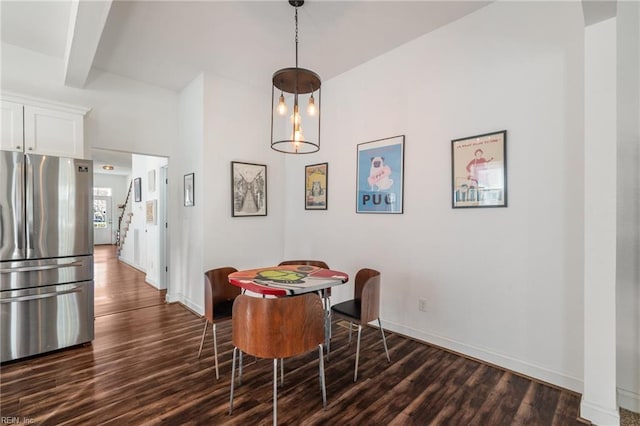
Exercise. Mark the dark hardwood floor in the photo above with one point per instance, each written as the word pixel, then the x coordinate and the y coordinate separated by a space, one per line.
pixel 142 368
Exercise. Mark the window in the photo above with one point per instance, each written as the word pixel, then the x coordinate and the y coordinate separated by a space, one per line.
pixel 102 192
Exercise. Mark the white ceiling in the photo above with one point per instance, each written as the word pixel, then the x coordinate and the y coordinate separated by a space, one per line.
pixel 168 43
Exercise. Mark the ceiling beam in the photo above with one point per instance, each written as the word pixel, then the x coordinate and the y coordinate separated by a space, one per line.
pixel 598 10
pixel 86 24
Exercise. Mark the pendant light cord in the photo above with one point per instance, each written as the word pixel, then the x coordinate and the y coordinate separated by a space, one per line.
pixel 296 37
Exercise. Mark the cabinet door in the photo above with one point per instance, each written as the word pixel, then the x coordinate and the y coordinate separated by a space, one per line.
pixel 12 130
pixel 50 132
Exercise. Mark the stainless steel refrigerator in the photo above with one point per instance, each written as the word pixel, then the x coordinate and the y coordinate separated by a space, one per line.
pixel 46 253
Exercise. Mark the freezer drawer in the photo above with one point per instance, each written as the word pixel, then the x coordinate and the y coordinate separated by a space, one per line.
pixel 43 319
pixel 18 275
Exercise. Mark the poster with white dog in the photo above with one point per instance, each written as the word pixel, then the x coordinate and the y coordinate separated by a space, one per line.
pixel 380 176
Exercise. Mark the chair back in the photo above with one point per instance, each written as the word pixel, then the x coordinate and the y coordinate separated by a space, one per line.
pixel 318 263
pixel 278 327
pixel 367 291
pixel 218 291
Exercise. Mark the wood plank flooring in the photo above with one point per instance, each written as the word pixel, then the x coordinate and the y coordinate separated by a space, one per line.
pixel 142 368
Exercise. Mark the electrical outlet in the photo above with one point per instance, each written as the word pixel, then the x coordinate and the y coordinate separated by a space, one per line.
pixel 422 305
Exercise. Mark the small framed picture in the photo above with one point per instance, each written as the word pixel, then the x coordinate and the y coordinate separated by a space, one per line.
pixel 189 192
pixel 248 189
pixel 380 176
pixel 315 186
pixel 137 190
pixel 151 212
pixel 479 171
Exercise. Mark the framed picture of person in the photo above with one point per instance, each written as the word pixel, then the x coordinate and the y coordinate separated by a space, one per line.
pixel 380 176
pixel 315 186
pixel 479 171
pixel 248 189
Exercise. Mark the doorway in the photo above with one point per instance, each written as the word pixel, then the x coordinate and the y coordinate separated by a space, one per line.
pixel 102 220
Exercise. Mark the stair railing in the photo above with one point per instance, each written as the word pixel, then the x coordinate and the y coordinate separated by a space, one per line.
pixel 119 240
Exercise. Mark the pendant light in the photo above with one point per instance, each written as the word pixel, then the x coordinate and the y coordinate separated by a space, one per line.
pixel 295 91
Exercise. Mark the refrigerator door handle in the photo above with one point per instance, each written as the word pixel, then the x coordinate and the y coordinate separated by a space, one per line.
pixel 41 296
pixel 40 267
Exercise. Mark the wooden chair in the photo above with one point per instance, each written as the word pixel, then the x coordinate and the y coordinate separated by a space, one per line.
pixel 363 308
pixel 278 328
pixel 326 293
pixel 218 303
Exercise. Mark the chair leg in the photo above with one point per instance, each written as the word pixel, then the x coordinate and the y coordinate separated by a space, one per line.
pixel 282 372
pixel 233 374
pixel 384 340
pixel 215 351
pixel 350 328
pixel 355 374
pixel 204 332
pixel 275 391
pixel 240 369
pixel 322 384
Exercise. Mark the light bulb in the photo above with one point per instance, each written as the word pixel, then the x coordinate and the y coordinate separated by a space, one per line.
pixel 295 117
pixel 298 136
pixel 282 107
pixel 311 109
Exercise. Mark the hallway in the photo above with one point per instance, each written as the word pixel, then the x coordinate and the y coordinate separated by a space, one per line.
pixel 120 287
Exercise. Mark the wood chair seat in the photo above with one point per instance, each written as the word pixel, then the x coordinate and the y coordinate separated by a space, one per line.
pixel 278 328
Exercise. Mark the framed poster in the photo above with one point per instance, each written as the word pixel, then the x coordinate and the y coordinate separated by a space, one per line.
pixel 137 190
pixel 248 189
pixel 189 200
pixel 315 186
pixel 479 171
pixel 151 212
pixel 380 176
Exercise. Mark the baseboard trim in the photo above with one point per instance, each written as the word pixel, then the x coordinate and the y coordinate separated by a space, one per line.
pixel 629 400
pixel 187 303
pixel 133 265
pixel 599 415
pixel 151 282
pixel 528 369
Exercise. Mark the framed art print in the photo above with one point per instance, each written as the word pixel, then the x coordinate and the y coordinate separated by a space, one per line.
pixel 479 171
pixel 315 186
pixel 380 176
pixel 248 189
pixel 137 190
pixel 189 185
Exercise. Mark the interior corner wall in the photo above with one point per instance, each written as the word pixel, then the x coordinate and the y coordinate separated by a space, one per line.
pixel 126 115
pixel 501 284
pixel 628 244
pixel 237 128
pixel 186 226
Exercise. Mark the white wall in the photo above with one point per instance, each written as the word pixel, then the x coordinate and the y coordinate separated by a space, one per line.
pixel 125 115
pixel 140 248
pixel 502 284
pixel 628 245
pixel 186 227
pixel 221 121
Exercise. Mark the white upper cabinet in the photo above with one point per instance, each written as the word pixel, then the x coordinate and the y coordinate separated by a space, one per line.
pixel 12 138
pixel 51 132
pixel 42 127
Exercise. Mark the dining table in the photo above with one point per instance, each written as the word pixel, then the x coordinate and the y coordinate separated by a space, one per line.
pixel 291 280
